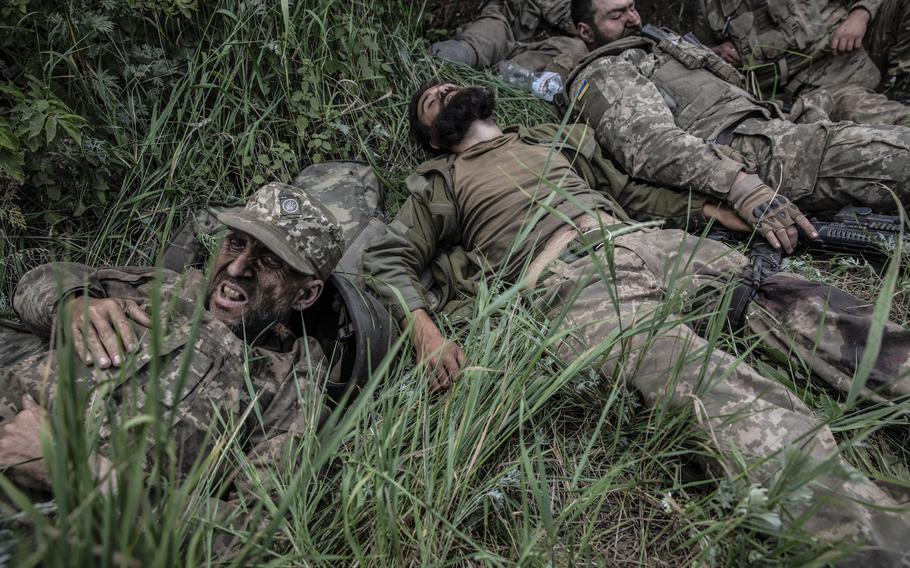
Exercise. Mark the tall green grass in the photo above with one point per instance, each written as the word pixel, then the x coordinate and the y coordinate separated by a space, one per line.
pixel 526 462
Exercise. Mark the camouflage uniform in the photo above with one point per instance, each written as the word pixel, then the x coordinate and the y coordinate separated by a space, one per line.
pixel 214 384
pixel 668 119
pixel 512 29
pixel 785 45
pixel 224 376
pixel 642 294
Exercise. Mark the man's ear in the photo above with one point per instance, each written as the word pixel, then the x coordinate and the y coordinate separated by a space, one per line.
pixel 585 32
pixel 307 293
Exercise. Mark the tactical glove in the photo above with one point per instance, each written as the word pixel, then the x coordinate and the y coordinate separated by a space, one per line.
pixel 768 212
pixel 454 50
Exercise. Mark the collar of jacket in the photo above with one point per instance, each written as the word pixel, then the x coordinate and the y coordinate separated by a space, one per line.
pixel 569 138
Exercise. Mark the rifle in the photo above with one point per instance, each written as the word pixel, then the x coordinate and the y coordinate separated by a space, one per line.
pixel 858 230
pixel 855 230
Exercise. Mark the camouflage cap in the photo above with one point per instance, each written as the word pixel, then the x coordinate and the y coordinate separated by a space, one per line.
pixel 293 225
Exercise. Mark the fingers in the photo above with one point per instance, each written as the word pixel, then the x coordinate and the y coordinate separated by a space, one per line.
pixel 772 240
pixel 446 365
pixel 137 314
pixel 807 227
pixel 104 344
pixel 80 345
pixel 783 237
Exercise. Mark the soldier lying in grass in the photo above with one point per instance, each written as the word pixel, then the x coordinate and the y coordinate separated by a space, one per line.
pixel 675 114
pixel 628 297
pixel 222 352
pixel 794 47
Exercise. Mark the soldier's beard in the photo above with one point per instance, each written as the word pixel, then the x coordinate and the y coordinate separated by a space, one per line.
pixel 256 317
pixel 256 323
pixel 456 117
pixel 601 39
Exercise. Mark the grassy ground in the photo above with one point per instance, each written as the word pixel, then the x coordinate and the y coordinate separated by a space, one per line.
pixel 137 115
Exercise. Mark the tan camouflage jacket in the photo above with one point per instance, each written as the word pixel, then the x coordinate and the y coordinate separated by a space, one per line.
pixel 764 30
pixel 427 233
pixel 223 375
pixel 658 114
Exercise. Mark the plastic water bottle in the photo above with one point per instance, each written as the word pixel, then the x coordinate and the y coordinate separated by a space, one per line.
pixel 543 85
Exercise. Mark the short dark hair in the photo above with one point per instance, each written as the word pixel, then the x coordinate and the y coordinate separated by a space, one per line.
pixel 582 11
pixel 420 133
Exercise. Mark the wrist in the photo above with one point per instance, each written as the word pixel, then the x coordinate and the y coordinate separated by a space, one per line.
pixel 861 12
pixel 743 186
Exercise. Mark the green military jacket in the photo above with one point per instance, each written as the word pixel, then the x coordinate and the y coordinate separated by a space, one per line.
pixel 421 236
pixel 206 376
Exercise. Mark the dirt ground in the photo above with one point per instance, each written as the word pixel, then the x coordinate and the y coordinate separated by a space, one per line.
pixel 447 15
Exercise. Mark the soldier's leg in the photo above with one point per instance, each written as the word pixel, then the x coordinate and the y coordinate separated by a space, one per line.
pixel 619 313
pixel 488 39
pixel 855 103
pixel 824 166
pixel 826 329
pixel 866 165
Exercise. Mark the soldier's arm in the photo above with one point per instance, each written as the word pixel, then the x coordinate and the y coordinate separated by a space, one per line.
pixel 849 35
pixel 634 124
pixel 40 291
pixel 645 202
pixel 871 6
pixel 425 224
pixel 411 241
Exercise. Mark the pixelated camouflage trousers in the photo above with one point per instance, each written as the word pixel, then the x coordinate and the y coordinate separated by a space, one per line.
pixel 637 304
pixel 824 166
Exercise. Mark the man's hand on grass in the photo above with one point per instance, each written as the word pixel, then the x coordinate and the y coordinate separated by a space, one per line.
pixel 101 329
pixel 443 358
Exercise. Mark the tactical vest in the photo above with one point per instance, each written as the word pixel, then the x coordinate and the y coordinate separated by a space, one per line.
pixel 704 93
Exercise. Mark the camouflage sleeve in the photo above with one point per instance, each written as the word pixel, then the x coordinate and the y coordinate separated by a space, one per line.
pixel 645 202
pixel 424 225
pixel 872 6
pixel 40 290
pixel 642 201
pixel 633 123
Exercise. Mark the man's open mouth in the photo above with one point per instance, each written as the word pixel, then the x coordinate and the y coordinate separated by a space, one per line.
pixel 229 296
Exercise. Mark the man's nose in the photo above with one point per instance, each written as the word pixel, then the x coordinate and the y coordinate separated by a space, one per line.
pixel 633 19
pixel 240 266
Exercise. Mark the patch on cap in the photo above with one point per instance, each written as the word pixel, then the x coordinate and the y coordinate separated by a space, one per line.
pixel 290 205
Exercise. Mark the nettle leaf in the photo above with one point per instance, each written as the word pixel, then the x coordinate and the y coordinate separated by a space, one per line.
pixel 36 125
pixel 11 164
pixel 50 129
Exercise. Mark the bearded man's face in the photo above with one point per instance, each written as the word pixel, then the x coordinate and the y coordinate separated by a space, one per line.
pixel 449 111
